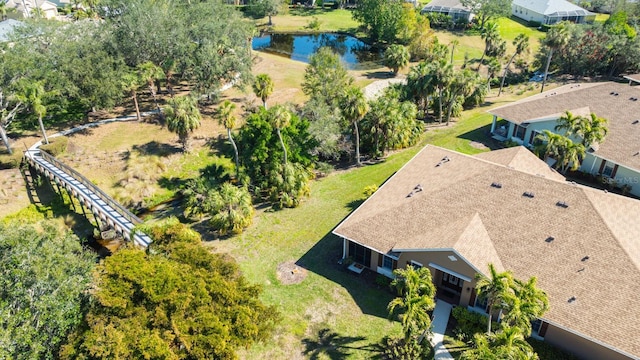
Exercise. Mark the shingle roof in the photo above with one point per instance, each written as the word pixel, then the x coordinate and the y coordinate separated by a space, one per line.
pixel 458 208
pixel 449 5
pixel 621 145
pixel 520 158
pixel 552 7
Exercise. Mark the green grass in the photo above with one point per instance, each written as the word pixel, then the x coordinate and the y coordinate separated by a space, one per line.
pixel 298 18
pixel 601 18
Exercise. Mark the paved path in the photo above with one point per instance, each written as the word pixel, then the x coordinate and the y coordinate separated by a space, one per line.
pixel 376 88
pixel 439 326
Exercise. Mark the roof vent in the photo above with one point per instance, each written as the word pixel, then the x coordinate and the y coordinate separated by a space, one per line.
pixel 496 185
pixel 549 239
pixel 633 98
pixel 635 122
pixel 444 160
pixel 615 94
pixel 418 188
pixel 562 204
pixel 529 194
pixel 612 93
pixel 572 299
pixel 585 258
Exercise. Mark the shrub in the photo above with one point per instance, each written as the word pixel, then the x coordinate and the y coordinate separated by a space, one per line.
pixel 369 190
pixel 314 23
pixel 56 145
pixel 469 323
pixel 546 351
pixel 383 281
pixel 10 161
pixel 399 349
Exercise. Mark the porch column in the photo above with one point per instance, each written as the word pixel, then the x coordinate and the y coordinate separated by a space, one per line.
pixel 344 248
pixel 493 124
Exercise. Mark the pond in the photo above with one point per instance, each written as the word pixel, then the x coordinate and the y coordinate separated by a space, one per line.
pixel 354 53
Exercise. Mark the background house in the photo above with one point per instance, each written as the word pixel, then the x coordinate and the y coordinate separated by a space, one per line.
pixel 617 158
pixel 451 8
pixel 27 7
pixel 550 12
pixel 454 214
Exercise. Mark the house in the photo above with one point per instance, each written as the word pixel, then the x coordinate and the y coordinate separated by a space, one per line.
pixel 617 158
pixel 549 12
pixel 27 7
pixel 454 214
pixel 452 8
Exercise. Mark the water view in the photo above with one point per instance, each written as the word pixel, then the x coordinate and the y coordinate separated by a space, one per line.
pixel 354 53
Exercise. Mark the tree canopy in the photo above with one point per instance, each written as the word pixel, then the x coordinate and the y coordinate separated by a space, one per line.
pixel 175 301
pixel 43 288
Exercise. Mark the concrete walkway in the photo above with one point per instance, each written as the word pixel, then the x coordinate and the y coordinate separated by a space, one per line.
pixel 438 327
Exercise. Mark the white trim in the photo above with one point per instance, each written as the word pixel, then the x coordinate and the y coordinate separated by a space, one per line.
pixel 385 271
pixel 413 262
pixel 450 272
pixel 475 269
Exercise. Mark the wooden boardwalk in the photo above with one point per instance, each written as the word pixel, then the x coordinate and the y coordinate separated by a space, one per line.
pixel 89 195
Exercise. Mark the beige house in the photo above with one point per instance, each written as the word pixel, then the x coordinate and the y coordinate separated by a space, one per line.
pixel 28 7
pixel 617 158
pixel 455 214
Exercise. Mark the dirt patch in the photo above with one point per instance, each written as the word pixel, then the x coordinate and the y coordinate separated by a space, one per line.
pixel 289 273
pixel 478 145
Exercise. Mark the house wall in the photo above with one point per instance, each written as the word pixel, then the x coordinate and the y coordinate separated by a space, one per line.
pixel 535 126
pixel 526 14
pixel 623 175
pixel 579 346
pixel 441 258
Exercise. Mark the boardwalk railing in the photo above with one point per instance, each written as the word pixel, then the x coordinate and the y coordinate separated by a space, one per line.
pixel 85 191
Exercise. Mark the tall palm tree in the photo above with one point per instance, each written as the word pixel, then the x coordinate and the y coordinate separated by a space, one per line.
pixel 183 117
pixel 263 87
pixel 509 343
pixel 453 44
pixel 227 119
pixel 443 76
pixel 462 83
pixel 491 35
pixel 131 83
pixel 528 303
pixel 354 108
pixel 521 42
pixel 149 73
pixel 557 37
pixel 493 67
pixel 416 298
pixel 569 123
pixel 420 84
pixel 495 288
pixel 279 117
pixel 396 57
pixel 33 95
pixel 232 209
pixel 550 144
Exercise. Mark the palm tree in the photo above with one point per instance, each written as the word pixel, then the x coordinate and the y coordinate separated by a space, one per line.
pixel 233 209
pixel 557 37
pixel 453 44
pixel 462 84
pixel 594 130
pixel 521 42
pixel 149 72
pixel 490 35
pixel 354 108
pixel 416 297
pixel 396 57
pixel 570 123
pixel 527 304
pixel 495 288
pixel 33 95
pixel 263 87
pixel 227 119
pixel 443 76
pixel 571 156
pixel 279 117
pixel 509 343
pixel 420 84
pixel 183 117
pixel 493 67
pixel 130 84
pixel 481 350
pixel 550 144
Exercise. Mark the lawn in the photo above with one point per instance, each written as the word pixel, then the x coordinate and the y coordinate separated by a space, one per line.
pixel 297 19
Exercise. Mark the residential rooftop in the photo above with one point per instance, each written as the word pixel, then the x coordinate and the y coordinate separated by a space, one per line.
pixel 618 103
pixel 579 242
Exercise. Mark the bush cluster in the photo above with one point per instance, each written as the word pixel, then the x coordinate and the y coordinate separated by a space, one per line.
pixel 56 146
pixel 10 161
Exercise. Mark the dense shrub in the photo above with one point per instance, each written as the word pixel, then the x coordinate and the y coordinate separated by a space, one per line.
pixel 469 323
pixel 10 161
pixel 56 145
pixel 546 351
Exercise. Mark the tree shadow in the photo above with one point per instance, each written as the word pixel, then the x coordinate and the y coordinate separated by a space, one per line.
pixel 482 136
pixel 352 205
pixel 157 149
pixel 324 259
pixel 379 75
pixel 330 344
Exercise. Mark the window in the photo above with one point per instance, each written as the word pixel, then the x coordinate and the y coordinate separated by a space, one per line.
pixel 416 265
pixel 519 131
pixel 360 254
pixel 534 139
pixel 387 262
pixel 607 171
pixel 481 302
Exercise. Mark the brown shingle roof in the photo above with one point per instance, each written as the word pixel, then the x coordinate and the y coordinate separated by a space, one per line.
pixel 458 208
pixel 623 140
pixel 520 158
